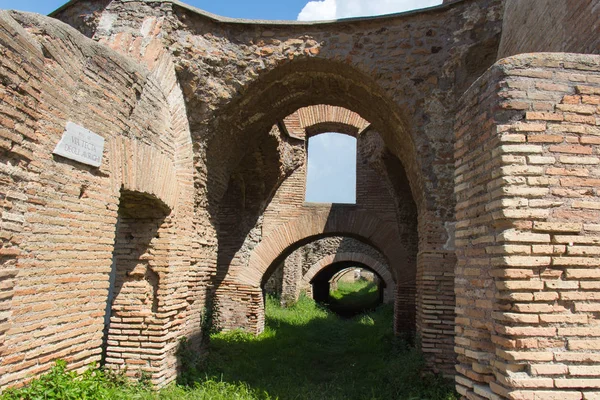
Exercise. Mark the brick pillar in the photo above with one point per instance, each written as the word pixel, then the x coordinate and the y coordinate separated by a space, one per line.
pixel 239 306
pixel 292 276
pixel 404 308
pixel 528 217
pixel 435 295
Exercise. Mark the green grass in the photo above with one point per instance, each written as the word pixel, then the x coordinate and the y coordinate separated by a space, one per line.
pixel 306 352
pixel 356 296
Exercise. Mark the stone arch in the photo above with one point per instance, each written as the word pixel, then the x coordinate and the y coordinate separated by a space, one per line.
pixel 292 85
pixel 247 112
pixel 245 118
pixel 321 118
pixel 390 285
pixel 360 224
pixel 342 273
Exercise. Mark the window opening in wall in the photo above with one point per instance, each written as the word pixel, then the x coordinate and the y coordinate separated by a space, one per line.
pixel 331 169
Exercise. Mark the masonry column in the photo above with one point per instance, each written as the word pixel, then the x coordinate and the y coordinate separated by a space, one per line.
pixel 435 295
pixel 292 275
pixel 528 217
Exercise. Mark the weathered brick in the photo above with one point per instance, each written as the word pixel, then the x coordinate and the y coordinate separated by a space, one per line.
pixel 556 227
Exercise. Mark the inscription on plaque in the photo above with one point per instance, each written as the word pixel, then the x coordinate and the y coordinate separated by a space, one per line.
pixel 80 144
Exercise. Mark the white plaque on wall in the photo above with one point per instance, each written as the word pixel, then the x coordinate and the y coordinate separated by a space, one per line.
pixel 80 144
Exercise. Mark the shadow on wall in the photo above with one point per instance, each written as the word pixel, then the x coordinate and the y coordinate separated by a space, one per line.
pixel 250 190
pixel 134 282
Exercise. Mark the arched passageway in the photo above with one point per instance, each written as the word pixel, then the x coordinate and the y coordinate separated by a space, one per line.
pixel 334 221
pixel 327 280
pixel 348 259
pixel 292 277
pixel 254 168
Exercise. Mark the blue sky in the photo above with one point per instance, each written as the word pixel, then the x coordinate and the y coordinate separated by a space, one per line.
pixel 332 158
pixel 266 9
pixel 331 176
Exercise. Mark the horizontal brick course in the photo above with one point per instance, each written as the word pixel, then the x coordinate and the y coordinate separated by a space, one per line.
pixel 546 269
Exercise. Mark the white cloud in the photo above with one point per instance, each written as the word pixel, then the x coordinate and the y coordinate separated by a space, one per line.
pixel 318 10
pixel 335 9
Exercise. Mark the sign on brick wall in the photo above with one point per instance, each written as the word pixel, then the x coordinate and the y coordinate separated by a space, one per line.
pixel 80 144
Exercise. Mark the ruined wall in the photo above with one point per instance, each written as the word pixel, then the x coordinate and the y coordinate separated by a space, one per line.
pixel 228 86
pixel 402 73
pixel 375 194
pixel 289 280
pixel 527 221
pixel 59 216
pixel 548 25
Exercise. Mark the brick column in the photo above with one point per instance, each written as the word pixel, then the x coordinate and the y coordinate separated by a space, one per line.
pixel 435 295
pixel 292 276
pixel 528 216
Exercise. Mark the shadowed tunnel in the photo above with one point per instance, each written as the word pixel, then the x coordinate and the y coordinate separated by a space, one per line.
pixel 354 303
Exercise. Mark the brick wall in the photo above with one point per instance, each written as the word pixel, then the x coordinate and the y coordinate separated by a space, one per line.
pixel 59 216
pixel 402 73
pixel 525 179
pixel 548 25
pixel 527 220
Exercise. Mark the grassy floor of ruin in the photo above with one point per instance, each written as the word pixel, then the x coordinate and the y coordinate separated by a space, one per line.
pixel 305 352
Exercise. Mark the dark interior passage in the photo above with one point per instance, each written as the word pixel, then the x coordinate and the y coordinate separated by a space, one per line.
pixel 348 288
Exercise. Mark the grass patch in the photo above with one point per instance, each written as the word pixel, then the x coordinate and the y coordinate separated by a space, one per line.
pixel 353 298
pixel 306 352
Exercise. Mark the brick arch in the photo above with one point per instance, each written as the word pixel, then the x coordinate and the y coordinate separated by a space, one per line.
pixel 321 118
pixel 360 258
pixel 381 269
pixel 281 90
pixel 140 167
pixel 340 274
pixel 137 167
pixel 363 225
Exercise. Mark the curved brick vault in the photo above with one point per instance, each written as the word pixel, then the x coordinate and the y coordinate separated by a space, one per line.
pixel 373 264
pixel 309 121
pixel 313 81
pixel 479 181
pixel 361 225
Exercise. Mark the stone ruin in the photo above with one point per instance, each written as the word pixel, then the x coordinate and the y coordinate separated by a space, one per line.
pixel 312 267
pixel 478 128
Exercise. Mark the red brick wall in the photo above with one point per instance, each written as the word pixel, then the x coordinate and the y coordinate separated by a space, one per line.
pixel 527 222
pixel 549 25
pixel 58 218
